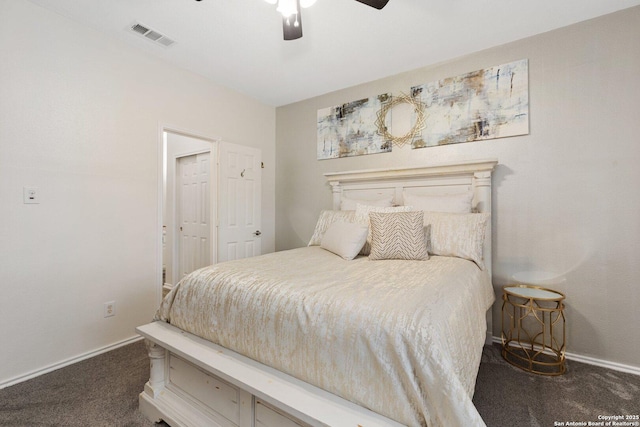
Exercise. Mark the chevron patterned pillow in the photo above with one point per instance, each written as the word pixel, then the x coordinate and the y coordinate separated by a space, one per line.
pixel 362 216
pixel 398 235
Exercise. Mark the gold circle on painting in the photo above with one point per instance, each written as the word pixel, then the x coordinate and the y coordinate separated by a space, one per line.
pixel 418 108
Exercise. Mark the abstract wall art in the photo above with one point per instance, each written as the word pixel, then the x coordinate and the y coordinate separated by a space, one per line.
pixel 484 104
pixel 350 129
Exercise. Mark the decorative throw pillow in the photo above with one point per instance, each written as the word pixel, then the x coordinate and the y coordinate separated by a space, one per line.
pixel 325 219
pixel 458 235
pixel 362 217
pixel 453 203
pixel 398 235
pixel 349 204
pixel 344 239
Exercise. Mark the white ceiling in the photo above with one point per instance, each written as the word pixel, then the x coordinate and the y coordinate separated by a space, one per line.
pixel 238 43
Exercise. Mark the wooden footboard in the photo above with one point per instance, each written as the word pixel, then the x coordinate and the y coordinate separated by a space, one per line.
pixel 194 382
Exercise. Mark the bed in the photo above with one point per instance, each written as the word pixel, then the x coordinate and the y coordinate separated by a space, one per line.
pixel 304 337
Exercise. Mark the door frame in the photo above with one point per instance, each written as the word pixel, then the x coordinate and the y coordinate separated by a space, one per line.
pixel 161 154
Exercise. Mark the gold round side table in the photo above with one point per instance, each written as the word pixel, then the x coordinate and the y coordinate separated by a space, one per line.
pixel 533 329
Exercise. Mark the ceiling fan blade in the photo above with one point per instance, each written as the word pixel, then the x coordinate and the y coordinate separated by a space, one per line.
pixel 378 4
pixel 292 26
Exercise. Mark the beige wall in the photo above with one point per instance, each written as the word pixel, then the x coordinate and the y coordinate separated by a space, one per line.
pixel 565 201
pixel 79 118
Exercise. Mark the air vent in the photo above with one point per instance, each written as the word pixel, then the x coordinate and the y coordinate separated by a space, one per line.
pixel 152 35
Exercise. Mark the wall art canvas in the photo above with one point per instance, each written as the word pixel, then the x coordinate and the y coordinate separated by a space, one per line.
pixel 484 104
pixel 350 129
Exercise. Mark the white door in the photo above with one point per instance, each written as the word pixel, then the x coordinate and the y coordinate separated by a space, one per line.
pixel 239 201
pixel 193 198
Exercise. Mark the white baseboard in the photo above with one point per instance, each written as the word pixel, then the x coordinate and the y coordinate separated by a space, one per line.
pixel 620 367
pixel 604 363
pixel 635 370
pixel 68 362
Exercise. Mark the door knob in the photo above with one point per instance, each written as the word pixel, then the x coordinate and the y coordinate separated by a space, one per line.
pixel 258 232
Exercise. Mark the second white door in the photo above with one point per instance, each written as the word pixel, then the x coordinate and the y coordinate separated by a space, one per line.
pixel 239 201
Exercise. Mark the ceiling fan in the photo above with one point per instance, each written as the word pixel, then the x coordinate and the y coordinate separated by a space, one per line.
pixel 292 19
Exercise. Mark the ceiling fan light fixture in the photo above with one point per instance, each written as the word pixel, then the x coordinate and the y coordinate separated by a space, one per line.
pixel 303 3
pixel 287 7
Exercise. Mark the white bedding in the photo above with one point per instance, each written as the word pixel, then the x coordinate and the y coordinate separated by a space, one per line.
pixel 402 338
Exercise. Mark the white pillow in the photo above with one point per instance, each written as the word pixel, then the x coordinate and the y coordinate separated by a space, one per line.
pixel 453 203
pixel 398 235
pixel 325 219
pixel 458 235
pixel 347 204
pixel 362 217
pixel 344 239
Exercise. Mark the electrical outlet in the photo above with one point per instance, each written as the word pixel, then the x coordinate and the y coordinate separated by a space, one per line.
pixel 109 309
pixel 30 195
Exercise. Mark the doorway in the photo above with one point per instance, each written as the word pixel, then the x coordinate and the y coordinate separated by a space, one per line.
pixel 188 208
pixel 210 197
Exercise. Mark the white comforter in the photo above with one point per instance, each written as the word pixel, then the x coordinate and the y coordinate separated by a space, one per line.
pixel 403 338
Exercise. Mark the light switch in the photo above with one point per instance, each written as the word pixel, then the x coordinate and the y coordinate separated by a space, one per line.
pixel 30 195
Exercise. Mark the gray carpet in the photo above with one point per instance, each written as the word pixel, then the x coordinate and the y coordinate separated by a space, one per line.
pixel 103 391
pixel 508 396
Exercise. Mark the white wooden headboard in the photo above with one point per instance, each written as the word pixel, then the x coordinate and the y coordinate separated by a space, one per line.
pixel 452 178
